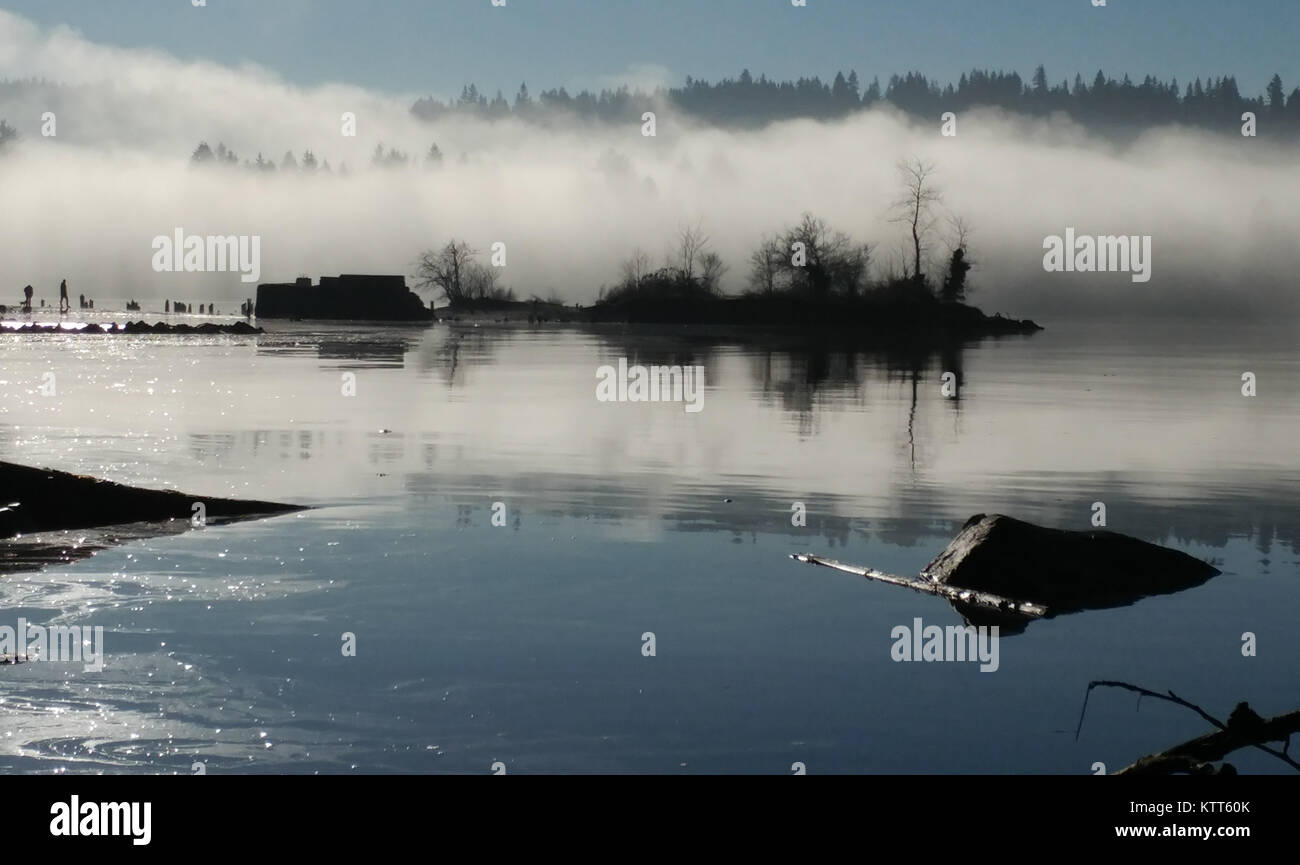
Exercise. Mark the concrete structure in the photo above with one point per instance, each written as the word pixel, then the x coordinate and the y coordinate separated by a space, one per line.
pixel 350 296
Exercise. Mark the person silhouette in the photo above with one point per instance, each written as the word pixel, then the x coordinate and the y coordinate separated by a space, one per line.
pixel 64 304
pixel 27 299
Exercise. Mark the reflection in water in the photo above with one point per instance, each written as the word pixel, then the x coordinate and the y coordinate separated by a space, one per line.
pixel 517 405
pixel 445 350
pixel 623 518
pixel 370 348
pixel 372 353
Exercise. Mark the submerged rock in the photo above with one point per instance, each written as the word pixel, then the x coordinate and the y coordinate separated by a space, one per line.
pixel 1007 572
pixel 1065 571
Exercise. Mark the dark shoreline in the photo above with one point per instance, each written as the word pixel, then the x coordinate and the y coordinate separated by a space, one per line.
pixel 757 314
pixel 44 500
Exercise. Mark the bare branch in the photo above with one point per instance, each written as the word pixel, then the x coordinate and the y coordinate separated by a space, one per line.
pixel 1243 729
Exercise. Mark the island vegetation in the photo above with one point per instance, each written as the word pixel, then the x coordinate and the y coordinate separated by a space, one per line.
pixel 807 274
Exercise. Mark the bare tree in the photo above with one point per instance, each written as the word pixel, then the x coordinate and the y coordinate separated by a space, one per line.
pixel 636 268
pixel 446 270
pixel 692 241
pixel 480 282
pixel 959 233
pixel 712 269
pixel 765 265
pixel 915 207
pixel 819 260
pixel 894 267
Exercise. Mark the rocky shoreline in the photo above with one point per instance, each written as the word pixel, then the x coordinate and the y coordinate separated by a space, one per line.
pixel 43 500
pixel 140 327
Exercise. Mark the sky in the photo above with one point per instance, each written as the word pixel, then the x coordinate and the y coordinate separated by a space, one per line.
pixel 435 47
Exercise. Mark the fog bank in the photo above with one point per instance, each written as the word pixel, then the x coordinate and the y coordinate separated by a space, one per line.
pixel 570 202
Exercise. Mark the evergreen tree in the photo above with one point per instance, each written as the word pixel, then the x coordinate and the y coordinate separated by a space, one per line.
pixel 1276 96
pixel 954 282
pixel 1118 106
pixel 1040 81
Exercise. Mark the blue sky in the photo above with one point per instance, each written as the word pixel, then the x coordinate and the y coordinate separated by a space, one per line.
pixel 436 46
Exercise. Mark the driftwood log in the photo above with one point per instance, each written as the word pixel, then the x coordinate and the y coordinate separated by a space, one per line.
pixel 956 594
pixel 1196 755
pixel 1243 729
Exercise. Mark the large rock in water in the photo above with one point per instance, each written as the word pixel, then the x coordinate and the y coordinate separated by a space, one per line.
pixel 42 500
pixel 1065 571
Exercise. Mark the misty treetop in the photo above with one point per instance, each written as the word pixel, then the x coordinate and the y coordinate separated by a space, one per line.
pixel 308 163
pixel 7 134
pixel 1099 102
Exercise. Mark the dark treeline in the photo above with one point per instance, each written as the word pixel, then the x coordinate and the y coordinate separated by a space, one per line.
pixel 1101 102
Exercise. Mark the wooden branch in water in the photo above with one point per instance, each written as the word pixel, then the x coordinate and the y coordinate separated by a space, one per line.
pixel 1221 743
pixel 955 594
pixel 1244 729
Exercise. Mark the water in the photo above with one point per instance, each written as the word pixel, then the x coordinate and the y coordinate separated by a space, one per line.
pixel 523 643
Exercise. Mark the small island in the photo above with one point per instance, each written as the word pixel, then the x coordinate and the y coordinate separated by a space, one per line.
pixel 807 275
pixel 887 315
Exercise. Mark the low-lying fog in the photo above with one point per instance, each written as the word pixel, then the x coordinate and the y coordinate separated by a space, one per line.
pixel 570 201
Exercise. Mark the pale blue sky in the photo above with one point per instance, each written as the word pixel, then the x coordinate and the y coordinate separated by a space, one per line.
pixel 436 46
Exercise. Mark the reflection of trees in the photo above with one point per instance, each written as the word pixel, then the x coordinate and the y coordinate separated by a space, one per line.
pixel 796 371
pixel 369 353
pixel 806 375
pixel 795 375
pixel 448 350
pixel 654 345
pixel 794 378
pixel 365 350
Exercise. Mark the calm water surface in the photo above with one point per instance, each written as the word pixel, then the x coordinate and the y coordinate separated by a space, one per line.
pixel 523 643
